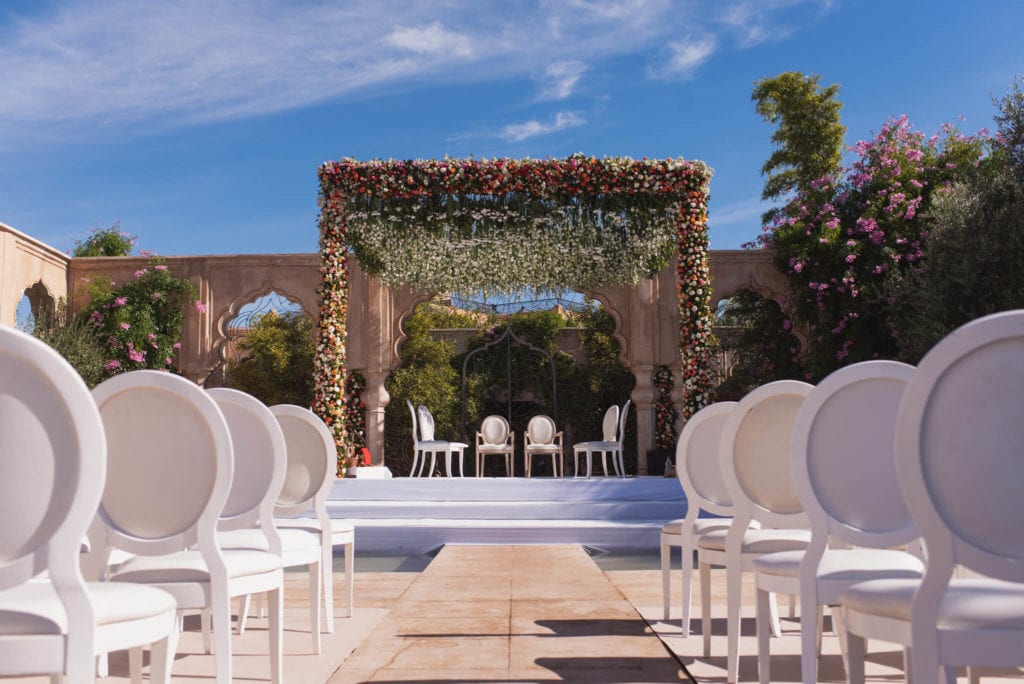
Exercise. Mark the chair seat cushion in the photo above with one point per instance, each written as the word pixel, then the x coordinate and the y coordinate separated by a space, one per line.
pixel 341 530
pixel 292 539
pixel 595 446
pixel 544 449
pixel 700 525
pixel 35 608
pixel 189 566
pixel 494 449
pixel 759 541
pixel 857 565
pixel 967 604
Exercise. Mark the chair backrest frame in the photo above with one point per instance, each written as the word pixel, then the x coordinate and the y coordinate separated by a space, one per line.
pixel 317 464
pixel 755 453
pixel 843 457
pixel 697 461
pixel 489 437
pixel 426 424
pixel 610 423
pixel 623 415
pixel 542 431
pixel 960 429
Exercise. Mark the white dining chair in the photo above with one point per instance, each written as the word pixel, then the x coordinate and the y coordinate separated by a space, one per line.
pixel 754 460
pixel 844 469
pixel 494 438
pixel 53 465
pixel 613 429
pixel 429 445
pixel 170 472
pixel 959 432
pixel 247 522
pixel 416 451
pixel 543 438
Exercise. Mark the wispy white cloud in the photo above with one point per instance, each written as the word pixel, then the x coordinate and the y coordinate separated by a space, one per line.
pixel 517 132
pixel 84 67
pixel 753 22
pixel 746 211
pixel 560 80
pixel 686 57
pixel 432 39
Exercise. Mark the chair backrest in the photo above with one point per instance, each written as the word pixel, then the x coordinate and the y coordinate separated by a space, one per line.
pixel 170 465
pixel 312 461
pixel 52 466
pixel 843 456
pixel 623 415
pixel 754 454
pixel 541 430
pixel 494 430
pixel 415 430
pixel 697 460
pixel 260 461
pixel 610 424
pixel 959 441
pixel 426 424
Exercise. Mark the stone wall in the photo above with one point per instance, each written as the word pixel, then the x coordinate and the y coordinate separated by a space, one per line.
pixel 26 264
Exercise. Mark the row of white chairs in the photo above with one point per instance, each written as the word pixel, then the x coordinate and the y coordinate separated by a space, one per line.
pixel 864 493
pixel 542 438
pixel 184 482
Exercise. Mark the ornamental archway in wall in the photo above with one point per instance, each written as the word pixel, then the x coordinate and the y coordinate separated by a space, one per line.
pixel 605 226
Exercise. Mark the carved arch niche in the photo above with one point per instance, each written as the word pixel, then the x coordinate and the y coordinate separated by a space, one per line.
pixel 41 303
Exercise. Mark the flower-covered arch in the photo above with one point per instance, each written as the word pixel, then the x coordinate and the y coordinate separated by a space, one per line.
pixel 466 226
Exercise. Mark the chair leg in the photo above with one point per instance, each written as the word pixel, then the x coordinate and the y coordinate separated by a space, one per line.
pixel 315 581
pixel 135 664
pixel 162 657
pixel 415 462
pixel 839 627
pixel 243 612
pixel 973 676
pixel 590 464
pixel 204 627
pixel 763 637
pixel 327 575
pixel 350 578
pixel 792 607
pixel 773 612
pixel 604 462
pixel 810 646
pixel 220 612
pixel 854 658
pixel 103 665
pixel 666 572
pixel 687 554
pixel 705 607
pixel 734 585
pixel 276 600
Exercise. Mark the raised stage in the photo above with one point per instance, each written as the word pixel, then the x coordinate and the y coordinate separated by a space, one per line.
pixel 418 515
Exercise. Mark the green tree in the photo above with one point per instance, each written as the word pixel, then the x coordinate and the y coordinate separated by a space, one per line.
pixel 75 339
pixel 1010 119
pixel 277 365
pixel 808 136
pixel 110 241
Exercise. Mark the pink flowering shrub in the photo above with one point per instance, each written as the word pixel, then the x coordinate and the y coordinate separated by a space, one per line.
pixel 845 241
pixel 139 323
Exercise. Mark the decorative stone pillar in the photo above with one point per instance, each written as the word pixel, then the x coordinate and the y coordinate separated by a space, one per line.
pixel 643 396
pixel 376 399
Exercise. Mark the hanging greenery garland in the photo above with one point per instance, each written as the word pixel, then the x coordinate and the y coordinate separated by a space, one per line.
pixel 496 226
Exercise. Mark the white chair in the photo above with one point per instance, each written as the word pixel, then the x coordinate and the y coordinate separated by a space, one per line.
pixel 169 475
pixel 844 469
pixel 310 474
pixel 959 433
pixel 543 439
pixel 247 521
pixel 701 479
pixel 416 451
pixel 754 459
pixel 52 471
pixel 494 437
pixel 429 445
pixel 613 428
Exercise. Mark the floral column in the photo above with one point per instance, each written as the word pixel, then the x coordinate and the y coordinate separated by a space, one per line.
pixel 693 280
pixel 329 362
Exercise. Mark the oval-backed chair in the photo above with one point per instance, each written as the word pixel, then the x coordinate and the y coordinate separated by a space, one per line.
pixel 53 465
pixel 613 432
pixel 959 432
pixel 754 460
pixel 170 472
pixel 844 469
pixel 494 438
pixel 543 438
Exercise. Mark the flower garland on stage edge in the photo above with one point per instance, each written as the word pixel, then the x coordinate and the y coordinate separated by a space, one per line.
pixel 693 283
pixel 329 361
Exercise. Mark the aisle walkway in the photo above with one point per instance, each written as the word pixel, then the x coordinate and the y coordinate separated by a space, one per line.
pixel 511 613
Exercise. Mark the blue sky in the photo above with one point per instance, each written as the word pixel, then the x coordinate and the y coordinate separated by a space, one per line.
pixel 200 124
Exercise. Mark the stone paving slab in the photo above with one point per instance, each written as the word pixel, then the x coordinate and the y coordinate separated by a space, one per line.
pixel 511 614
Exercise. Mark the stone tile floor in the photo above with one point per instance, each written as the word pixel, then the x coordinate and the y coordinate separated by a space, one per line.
pixel 512 614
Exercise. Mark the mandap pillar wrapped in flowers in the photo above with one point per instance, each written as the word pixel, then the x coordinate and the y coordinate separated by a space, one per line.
pixel 473 227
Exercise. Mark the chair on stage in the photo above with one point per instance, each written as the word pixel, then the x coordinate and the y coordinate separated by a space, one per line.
pixel 613 429
pixel 429 445
pixel 494 437
pixel 543 439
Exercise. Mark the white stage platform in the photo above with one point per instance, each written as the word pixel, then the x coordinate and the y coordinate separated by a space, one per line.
pixel 418 515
